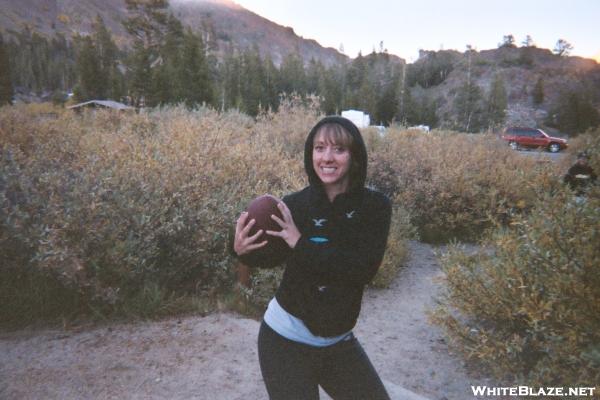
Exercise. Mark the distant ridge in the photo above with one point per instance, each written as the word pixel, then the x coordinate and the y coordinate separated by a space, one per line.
pixel 234 26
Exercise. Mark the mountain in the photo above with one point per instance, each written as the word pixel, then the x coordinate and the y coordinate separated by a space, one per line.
pixel 438 75
pixel 376 83
pixel 235 26
pixel 224 22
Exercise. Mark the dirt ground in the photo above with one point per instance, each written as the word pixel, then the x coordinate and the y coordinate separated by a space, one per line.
pixel 215 357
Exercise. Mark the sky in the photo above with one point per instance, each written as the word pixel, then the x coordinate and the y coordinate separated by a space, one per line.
pixel 404 27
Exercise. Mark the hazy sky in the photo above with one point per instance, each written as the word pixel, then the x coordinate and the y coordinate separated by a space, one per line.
pixel 407 26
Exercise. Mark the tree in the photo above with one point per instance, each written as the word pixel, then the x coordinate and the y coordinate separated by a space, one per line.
pixel 139 74
pixel 496 103
pixel 166 86
pixel 431 69
pixel 331 90
pixel 562 48
pixel 6 89
pixel 387 104
pixel 253 79
pixel 107 56
pixel 407 113
pixel 230 81
pixel 292 74
pixel 271 77
pixel 314 72
pixel 469 108
pixel 528 42
pixel 90 82
pixel 193 73
pixel 538 92
pixel 507 41
pixel 575 113
pixel 147 23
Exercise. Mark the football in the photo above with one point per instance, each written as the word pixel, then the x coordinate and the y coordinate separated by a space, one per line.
pixel 261 209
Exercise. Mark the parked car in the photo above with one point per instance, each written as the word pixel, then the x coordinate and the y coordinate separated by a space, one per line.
pixel 518 137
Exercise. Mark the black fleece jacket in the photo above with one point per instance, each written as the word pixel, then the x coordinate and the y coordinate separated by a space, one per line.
pixel 340 249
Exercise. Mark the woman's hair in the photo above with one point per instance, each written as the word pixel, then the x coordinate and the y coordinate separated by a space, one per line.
pixel 335 133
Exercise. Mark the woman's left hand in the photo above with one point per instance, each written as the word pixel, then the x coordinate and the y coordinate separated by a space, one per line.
pixel 289 232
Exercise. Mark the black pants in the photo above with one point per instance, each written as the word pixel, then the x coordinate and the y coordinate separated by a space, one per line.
pixel 293 370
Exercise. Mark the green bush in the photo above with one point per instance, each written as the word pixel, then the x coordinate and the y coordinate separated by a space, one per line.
pixel 528 305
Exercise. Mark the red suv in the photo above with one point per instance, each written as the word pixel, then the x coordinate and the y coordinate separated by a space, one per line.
pixel 531 137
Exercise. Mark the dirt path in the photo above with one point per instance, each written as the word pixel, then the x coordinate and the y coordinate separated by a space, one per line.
pixel 215 357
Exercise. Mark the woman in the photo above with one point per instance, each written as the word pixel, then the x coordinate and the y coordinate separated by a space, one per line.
pixel 336 230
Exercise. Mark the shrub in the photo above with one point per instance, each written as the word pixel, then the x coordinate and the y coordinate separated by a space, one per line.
pixel 588 142
pixel 123 213
pixel 528 306
pixel 110 205
pixel 452 183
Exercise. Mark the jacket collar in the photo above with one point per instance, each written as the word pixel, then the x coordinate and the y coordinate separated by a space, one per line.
pixel 343 201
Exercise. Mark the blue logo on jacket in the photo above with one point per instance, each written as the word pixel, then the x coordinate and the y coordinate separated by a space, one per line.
pixel 318 239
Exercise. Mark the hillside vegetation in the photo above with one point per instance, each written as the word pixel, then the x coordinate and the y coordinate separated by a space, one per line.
pixel 131 213
pixel 221 55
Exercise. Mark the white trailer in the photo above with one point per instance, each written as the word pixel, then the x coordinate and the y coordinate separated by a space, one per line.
pixel 359 118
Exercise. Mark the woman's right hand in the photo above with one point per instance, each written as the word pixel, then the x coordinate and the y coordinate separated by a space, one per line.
pixel 243 243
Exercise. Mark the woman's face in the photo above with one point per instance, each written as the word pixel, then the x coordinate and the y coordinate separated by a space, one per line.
pixel 331 162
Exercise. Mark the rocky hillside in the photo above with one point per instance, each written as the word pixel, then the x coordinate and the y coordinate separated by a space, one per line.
pixel 221 21
pixel 438 75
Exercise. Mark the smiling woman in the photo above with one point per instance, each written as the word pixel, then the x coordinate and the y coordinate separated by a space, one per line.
pixel 336 230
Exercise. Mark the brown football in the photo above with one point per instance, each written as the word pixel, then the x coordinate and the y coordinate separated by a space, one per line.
pixel 261 209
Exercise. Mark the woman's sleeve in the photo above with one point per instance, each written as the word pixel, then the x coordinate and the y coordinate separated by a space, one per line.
pixel 351 257
pixel 257 259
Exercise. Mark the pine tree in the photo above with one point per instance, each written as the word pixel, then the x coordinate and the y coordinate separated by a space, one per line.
pixel 496 103
pixel 575 113
pixel 292 74
pixel 193 73
pixel 387 105
pixel 139 74
pixel 507 41
pixel 230 81
pixel 271 77
pixel 330 90
pixel 90 83
pixel 407 109
pixel 468 108
pixel 167 85
pixel 107 55
pixel 528 42
pixel 147 23
pixel 6 88
pixel 562 48
pixel 314 72
pixel 253 95
pixel 355 78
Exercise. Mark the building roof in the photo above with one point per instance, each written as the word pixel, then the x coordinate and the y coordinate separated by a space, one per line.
pixel 103 103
